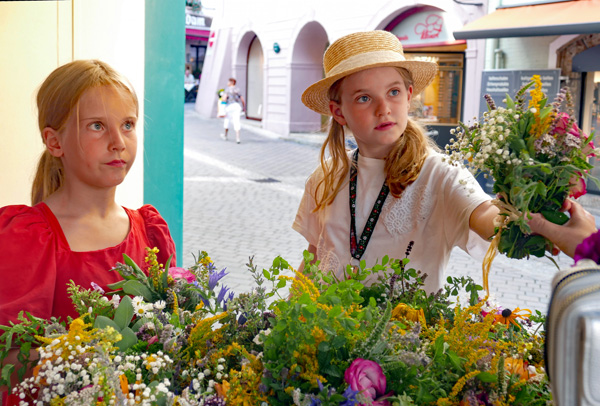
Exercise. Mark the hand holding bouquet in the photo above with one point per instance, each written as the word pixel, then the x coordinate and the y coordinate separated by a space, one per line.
pixel 537 156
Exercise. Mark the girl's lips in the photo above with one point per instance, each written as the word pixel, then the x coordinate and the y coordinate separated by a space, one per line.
pixel 385 126
pixel 117 163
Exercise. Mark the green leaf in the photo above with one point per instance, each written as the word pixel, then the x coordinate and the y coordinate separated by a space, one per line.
pixel 165 278
pixel 139 323
pixel 116 285
pixel 324 346
pixel 129 339
pixel 124 313
pixel 7 371
pixel 266 274
pixel 168 264
pixel 487 377
pixel 455 360
pixel 103 322
pixel 557 217
pixel 136 268
pixel 136 288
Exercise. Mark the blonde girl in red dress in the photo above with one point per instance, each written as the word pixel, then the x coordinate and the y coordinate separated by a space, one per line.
pixel 75 230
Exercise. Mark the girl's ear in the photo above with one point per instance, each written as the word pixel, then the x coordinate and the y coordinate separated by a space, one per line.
pixel 52 141
pixel 409 91
pixel 336 112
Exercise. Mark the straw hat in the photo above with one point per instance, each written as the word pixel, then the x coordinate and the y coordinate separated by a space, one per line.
pixel 360 51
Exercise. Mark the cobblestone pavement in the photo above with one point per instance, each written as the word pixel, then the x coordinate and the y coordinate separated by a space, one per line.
pixel 240 200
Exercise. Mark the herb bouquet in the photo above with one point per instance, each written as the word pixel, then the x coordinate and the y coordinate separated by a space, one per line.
pixel 537 156
pixel 184 339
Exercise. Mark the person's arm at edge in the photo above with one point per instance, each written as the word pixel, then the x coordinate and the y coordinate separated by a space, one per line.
pixel 568 236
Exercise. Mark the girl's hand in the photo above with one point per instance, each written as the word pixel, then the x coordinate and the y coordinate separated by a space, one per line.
pixel 568 236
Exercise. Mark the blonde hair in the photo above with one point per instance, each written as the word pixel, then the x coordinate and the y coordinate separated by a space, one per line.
pixel 57 98
pixel 403 163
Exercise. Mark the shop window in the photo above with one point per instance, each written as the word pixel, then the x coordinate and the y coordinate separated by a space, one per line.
pixel 440 103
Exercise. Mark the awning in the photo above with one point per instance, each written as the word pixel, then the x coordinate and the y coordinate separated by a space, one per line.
pixel 191 33
pixel 568 17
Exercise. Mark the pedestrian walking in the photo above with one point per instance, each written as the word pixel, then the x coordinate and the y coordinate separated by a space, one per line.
pixel 235 105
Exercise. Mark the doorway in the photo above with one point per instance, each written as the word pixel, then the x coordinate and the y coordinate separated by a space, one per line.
pixel 254 93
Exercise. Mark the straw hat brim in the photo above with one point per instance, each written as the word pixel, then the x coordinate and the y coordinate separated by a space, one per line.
pixel 316 96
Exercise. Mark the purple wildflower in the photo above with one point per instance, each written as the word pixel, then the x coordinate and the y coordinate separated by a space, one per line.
pixel 97 288
pixel 215 277
pixel 204 300
pixel 350 396
pixel 490 102
pixel 227 299
pixel 222 294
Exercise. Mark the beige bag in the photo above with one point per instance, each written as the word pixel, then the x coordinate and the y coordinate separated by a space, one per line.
pixel 573 336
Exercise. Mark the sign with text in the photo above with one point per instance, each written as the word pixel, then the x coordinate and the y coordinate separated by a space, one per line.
pixel 499 82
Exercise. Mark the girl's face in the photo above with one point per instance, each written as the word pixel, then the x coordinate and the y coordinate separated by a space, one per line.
pixel 374 105
pixel 99 143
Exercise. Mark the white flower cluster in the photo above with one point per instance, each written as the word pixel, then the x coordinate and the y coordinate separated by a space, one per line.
pixel 141 308
pixel 485 146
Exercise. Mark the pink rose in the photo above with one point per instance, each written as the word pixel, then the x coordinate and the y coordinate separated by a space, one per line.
pixel 367 377
pixel 578 188
pixel 181 273
pixel 561 120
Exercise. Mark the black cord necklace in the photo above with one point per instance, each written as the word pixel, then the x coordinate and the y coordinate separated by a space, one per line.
pixel 357 248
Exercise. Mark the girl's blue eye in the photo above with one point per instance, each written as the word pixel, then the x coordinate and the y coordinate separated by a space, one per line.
pixel 96 126
pixel 394 92
pixel 129 125
pixel 363 99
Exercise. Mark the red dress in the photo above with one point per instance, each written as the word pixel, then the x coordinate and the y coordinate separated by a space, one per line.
pixel 36 261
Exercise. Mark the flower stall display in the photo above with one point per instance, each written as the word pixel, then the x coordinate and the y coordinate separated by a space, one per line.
pixel 537 157
pixel 173 336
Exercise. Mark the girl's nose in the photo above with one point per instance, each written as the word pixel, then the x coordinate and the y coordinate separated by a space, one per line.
pixel 382 107
pixel 117 141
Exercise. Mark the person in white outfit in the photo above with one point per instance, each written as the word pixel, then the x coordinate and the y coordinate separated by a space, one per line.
pixel 235 104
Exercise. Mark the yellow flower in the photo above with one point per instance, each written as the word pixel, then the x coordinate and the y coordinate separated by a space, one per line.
pixel 508 316
pixel 124 384
pixel 537 95
pixel 404 312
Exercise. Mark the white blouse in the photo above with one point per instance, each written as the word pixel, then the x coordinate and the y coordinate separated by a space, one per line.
pixel 433 212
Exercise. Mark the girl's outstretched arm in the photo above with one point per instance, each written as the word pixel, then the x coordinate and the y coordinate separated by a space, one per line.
pixel 482 220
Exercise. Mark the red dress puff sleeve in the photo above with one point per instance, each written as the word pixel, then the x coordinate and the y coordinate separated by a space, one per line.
pixel 158 234
pixel 28 264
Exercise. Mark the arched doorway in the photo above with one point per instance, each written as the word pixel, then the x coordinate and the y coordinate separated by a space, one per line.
pixel 254 81
pixel 306 68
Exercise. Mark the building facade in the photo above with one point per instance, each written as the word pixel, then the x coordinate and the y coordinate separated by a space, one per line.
pixel 275 52
pixel 559 38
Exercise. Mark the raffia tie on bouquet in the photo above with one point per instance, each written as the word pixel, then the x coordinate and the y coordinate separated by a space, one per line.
pixel 507 214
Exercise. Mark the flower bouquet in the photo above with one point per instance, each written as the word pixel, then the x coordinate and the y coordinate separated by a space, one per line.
pixel 537 156
pixel 307 339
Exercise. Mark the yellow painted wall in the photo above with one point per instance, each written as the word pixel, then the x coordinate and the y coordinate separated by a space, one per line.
pixel 35 38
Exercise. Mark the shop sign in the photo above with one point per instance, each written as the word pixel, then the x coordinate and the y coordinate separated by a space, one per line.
pixel 195 21
pixel 521 3
pixel 426 27
pixel 500 82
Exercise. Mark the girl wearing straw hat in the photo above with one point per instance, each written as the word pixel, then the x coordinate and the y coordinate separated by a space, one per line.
pixel 395 187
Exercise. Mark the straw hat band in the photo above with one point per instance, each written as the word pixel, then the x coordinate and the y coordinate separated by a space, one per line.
pixel 365 58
